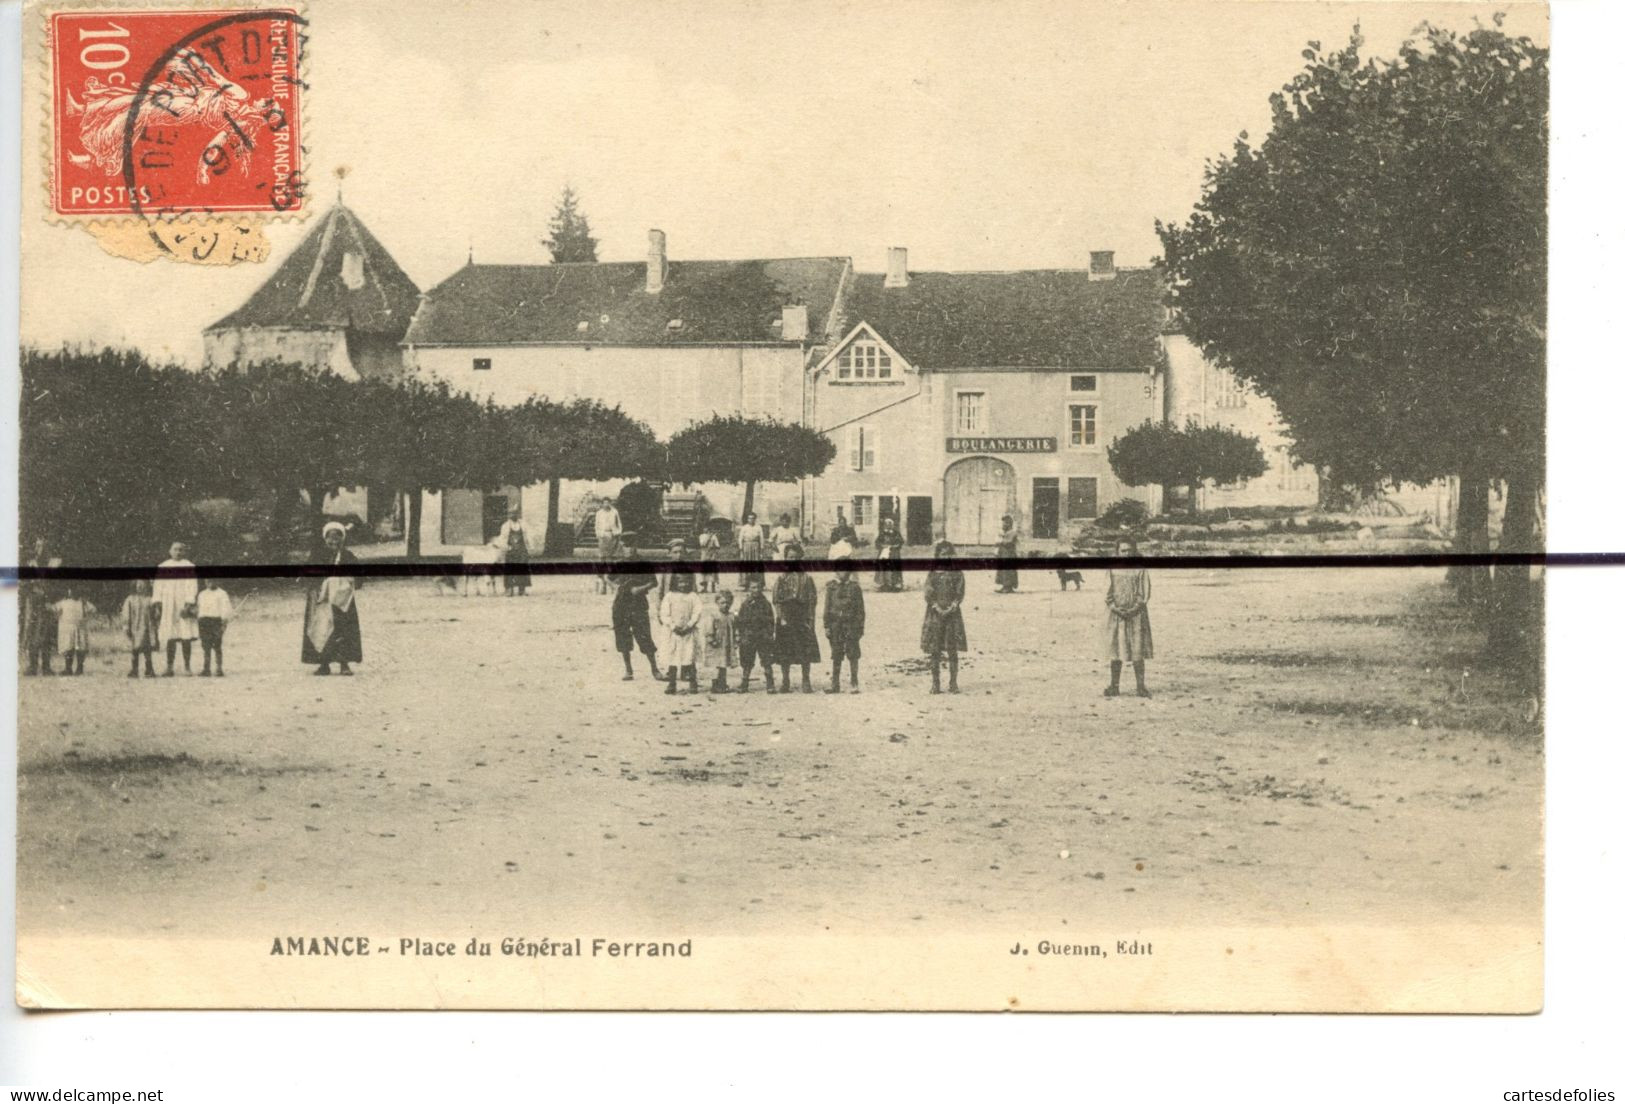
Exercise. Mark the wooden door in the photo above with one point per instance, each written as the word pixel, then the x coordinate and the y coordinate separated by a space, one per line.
pixel 979 492
pixel 1046 508
pixel 918 527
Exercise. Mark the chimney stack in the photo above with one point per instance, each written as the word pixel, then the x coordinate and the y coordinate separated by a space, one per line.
pixel 654 280
pixel 794 324
pixel 1102 264
pixel 897 267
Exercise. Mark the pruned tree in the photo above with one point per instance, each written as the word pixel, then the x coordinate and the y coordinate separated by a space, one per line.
pixel 569 236
pixel 582 439
pixel 111 447
pixel 736 449
pixel 1170 456
pixel 1377 267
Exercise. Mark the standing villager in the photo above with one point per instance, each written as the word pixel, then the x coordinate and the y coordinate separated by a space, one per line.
pixel 842 529
pixel 514 541
pixel 717 639
pixel 795 622
pixel 679 622
pixel 332 622
pixel 213 611
pixel 782 537
pixel 629 616
pixel 138 617
pixel 889 549
pixel 943 632
pixel 753 635
pixel 710 552
pixel 37 615
pixel 1005 580
pixel 843 624
pixel 752 552
pixel 72 631
pixel 176 598
pixel 1128 621
pixel 676 552
pixel 606 527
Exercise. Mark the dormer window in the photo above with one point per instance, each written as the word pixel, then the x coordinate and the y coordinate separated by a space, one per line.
pixel 583 326
pixel 864 360
pixel 674 325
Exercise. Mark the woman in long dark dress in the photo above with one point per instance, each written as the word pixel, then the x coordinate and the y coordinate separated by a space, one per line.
pixel 515 544
pixel 37 618
pixel 889 548
pixel 1005 578
pixel 795 605
pixel 332 623
pixel 944 629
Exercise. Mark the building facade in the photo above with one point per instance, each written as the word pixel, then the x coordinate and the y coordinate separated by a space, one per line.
pixel 956 399
pixel 668 342
pixel 1208 394
pixel 339 303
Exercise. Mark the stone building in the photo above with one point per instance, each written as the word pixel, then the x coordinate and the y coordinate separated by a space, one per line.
pixel 956 398
pixel 669 342
pixel 340 302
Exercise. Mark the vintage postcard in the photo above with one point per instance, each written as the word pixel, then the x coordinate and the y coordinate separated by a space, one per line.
pixel 931 505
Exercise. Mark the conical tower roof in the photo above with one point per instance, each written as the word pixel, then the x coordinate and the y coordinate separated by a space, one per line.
pixel 339 277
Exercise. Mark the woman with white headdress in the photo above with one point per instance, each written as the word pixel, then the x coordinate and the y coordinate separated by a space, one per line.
pixel 332 624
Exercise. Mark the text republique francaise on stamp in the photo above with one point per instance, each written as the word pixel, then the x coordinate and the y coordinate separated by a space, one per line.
pixel 170 126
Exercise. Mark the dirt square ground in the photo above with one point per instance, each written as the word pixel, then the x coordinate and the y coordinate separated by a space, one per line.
pixel 1308 755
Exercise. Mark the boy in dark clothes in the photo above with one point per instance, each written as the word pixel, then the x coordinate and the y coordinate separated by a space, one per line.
pixel 629 615
pixel 753 634
pixel 843 624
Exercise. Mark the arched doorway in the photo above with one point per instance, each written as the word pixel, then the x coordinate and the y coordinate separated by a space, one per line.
pixel 978 492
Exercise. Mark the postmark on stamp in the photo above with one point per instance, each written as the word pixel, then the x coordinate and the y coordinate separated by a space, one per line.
pixel 173 125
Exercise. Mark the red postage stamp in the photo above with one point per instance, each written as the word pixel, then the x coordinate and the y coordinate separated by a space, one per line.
pixel 167 114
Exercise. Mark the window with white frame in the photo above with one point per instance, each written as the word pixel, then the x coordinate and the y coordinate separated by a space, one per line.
pixel 1228 392
pixel 1088 384
pixel 863 510
pixel 761 389
pixel 1290 475
pixel 864 360
pixel 970 412
pixel 1082 424
pixel 860 447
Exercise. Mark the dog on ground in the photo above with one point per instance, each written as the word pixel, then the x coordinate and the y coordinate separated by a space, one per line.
pixel 1073 577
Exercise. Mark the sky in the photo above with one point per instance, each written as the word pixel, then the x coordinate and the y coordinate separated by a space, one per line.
pixel 978 135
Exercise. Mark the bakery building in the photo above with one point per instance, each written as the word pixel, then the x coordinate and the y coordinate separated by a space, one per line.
pixel 956 398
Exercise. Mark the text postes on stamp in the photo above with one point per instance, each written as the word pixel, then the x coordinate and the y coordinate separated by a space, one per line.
pixel 176 114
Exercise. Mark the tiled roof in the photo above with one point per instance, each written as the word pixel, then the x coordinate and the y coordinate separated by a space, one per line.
pixel 716 302
pixel 308 290
pixel 1044 318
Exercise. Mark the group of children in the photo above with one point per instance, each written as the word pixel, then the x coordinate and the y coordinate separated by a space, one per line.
pixel 141 619
pixel 698 631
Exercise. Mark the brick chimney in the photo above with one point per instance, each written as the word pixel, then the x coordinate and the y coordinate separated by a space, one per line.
pixel 793 327
pixel 654 280
pixel 1102 264
pixel 897 267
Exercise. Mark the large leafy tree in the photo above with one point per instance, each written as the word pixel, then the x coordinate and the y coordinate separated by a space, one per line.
pixel 111 447
pixel 569 236
pixel 736 449
pixel 1169 456
pixel 582 439
pixel 1377 267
